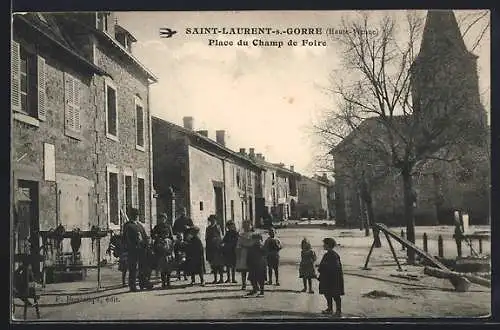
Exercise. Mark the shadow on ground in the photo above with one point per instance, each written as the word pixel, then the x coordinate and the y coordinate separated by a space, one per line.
pixel 289 314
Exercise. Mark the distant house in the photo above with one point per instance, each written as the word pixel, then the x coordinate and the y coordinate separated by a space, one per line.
pixel 202 175
pixel 313 197
pixel 80 128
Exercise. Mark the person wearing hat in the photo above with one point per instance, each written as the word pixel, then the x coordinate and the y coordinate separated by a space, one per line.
pixel 131 245
pixel 182 223
pixel 213 243
pixel 195 262
pixel 331 277
pixel 229 250
pixel 273 246
pixel 163 228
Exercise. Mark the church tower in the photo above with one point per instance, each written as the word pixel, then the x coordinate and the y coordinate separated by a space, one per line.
pixel 445 79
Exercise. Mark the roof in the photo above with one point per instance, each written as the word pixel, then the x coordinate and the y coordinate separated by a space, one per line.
pixel 197 138
pixel 48 27
pixel 114 43
pixel 120 29
pixel 316 180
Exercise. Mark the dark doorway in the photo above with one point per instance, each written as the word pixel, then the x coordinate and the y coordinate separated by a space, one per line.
pixel 293 209
pixel 250 208
pixel 26 220
pixel 219 207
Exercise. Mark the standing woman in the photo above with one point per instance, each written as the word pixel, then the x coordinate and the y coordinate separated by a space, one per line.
pixel 195 261
pixel 213 243
pixel 331 277
pixel 244 243
pixel 229 243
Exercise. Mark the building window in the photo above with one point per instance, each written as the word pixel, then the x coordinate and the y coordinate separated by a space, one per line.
pixel 102 21
pixel 128 193
pixel 141 191
pixel 28 77
pixel 139 124
pixel 201 206
pixel 113 199
pixel 232 210
pixel 72 91
pixel 111 111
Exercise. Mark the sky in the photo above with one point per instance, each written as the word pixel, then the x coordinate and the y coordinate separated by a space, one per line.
pixel 264 97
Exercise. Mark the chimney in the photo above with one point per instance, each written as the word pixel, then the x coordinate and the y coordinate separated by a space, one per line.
pixel 188 122
pixel 251 153
pixel 203 132
pixel 242 151
pixel 220 137
pixel 292 168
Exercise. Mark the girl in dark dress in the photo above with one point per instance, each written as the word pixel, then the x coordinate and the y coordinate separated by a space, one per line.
pixel 257 265
pixel 213 243
pixel 180 256
pixel 195 263
pixel 331 277
pixel 306 268
pixel 229 251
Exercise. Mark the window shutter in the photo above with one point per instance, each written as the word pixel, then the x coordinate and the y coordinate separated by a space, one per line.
pixel 76 105
pixel 42 98
pixel 68 96
pixel 15 68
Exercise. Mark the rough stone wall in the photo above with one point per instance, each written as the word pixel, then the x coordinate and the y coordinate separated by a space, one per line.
pixel 122 153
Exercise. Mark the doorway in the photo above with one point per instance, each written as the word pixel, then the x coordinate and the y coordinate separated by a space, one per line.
pixel 26 221
pixel 219 207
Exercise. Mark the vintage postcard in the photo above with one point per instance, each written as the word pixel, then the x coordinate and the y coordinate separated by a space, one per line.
pixel 250 165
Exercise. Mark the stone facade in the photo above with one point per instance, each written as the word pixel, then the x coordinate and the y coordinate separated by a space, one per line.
pixel 201 175
pixel 60 152
pixel 313 198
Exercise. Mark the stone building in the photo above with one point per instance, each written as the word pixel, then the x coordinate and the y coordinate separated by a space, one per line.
pixel 80 127
pixel 444 86
pixel 202 175
pixel 279 194
pixel 313 197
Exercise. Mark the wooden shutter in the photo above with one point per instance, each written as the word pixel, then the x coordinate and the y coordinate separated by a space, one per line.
pixel 76 104
pixel 42 98
pixel 68 98
pixel 15 67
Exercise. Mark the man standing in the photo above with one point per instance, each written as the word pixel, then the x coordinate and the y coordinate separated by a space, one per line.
pixel 131 244
pixel 182 223
pixel 145 256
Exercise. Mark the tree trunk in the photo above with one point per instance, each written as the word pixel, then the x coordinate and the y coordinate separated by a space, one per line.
pixel 371 221
pixel 409 213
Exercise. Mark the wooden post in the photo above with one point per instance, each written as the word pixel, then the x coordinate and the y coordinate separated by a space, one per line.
pixel 425 242
pixel 98 263
pixel 440 246
pixel 393 251
pixel 402 236
pixel 480 245
pixel 369 254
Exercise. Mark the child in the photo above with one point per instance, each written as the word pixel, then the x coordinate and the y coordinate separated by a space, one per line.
pixel 306 268
pixel 229 243
pixel 256 261
pixel 195 263
pixel 180 255
pixel 273 247
pixel 331 277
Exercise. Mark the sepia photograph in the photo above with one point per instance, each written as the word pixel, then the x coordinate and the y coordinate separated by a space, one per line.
pixel 250 165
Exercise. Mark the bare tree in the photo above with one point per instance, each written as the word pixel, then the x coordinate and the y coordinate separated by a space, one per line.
pixel 381 112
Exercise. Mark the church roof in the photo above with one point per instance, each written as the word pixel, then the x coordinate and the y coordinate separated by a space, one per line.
pixel 441 33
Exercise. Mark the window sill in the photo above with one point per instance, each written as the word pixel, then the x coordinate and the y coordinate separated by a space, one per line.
pixel 73 134
pixel 112 137
pixel 140 148
pixel 26 119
